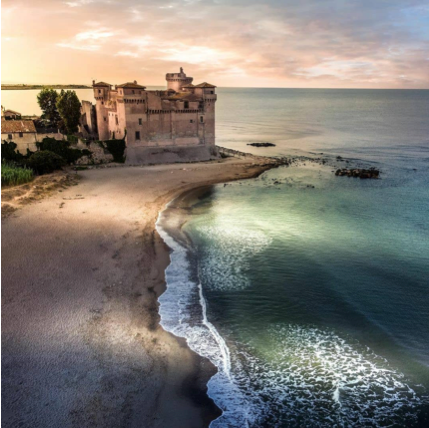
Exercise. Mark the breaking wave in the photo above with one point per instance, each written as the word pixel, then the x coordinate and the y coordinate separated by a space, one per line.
pixel 301 376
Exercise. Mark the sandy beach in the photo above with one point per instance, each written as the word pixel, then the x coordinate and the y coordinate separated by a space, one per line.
pixel 82 270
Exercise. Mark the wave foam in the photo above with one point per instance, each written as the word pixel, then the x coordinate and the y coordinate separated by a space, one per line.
pixel 299 376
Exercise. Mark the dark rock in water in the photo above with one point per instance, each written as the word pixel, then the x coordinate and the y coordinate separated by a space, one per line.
pixel 261 144
pixel 358 173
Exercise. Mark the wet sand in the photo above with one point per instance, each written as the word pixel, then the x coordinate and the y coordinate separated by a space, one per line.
pixel 81 274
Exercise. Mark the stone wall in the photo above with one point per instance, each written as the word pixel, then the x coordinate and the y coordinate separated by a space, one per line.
pixel 171 154
pixel 99 154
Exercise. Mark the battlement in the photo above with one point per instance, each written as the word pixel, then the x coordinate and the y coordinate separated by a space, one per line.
pixel 182 115
pixel 176 81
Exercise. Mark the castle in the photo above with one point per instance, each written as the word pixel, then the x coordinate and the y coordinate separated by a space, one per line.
pixel 176 124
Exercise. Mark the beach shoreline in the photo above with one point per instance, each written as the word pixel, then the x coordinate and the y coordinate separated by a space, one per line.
pixel 82 318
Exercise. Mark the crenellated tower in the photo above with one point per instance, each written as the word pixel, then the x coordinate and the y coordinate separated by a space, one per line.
pixel 176 81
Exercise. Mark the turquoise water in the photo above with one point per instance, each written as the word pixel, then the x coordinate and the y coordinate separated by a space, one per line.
pixel 308 291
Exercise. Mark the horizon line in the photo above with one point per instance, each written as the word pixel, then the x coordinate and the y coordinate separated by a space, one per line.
pixel 225 87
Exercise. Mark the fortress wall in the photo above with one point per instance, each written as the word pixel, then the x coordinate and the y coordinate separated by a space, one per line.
pixel 132 114
pixel 159 127
pixel 183 125
pixel 170 154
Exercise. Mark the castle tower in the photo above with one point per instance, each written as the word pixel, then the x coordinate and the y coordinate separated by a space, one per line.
pixel 177 80
pixel 102 94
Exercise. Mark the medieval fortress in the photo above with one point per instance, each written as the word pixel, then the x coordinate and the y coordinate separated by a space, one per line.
pixel 177 124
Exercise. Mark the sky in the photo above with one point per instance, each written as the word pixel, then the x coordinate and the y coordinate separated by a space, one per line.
pixel 238 43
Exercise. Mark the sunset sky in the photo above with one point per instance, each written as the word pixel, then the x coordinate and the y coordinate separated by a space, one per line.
pixel 272 43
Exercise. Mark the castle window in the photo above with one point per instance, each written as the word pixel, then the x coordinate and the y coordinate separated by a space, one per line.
pixel 201 119
pixel 191 121
pixel 99 91
pixel 117 121
pixel 212 92
pixel 9 136
pixel 21 134
pixel 186 104
pixel 105 118
pixel 133 91
pixel 140 121
pixel 137 135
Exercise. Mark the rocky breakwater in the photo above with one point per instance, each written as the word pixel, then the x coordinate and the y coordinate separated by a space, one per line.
pixel 263 161
pixel 261 144
pixel 358 173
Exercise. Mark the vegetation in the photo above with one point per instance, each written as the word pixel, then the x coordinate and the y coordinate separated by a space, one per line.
pixel 116 148
pixel 60 110
pixel 62 148
pixel 12 174
pixel 8 152
pixel 47 100
pixel 52 154
pixel 68 106
pixel 45 161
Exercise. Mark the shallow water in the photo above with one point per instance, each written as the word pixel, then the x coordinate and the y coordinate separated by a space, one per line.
pixel 310 291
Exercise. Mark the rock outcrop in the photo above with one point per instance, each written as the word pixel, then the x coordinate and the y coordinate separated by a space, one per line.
pixel 358 173
pixel 261 144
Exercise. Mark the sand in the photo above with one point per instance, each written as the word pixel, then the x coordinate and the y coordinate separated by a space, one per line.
pixel 81 273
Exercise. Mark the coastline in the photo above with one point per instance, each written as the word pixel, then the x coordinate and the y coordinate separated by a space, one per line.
pixel 24 87
pixel 104 341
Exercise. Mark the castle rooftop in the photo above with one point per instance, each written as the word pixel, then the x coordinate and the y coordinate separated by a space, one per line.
pixel 132 85
pixel 101 84
pixel 205 85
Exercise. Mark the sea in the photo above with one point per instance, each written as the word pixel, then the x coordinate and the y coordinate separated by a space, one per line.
pixel 309 292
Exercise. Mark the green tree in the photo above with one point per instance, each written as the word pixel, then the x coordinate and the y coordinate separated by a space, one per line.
pixel 47 99
pixel 68 106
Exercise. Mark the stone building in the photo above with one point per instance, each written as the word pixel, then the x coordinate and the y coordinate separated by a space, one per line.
pixel 176 124
pixel 22 132
pixel 25 134
pixel 8 114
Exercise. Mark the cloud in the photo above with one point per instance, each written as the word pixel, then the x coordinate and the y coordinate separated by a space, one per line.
pixel 127 53
pixel 186 54
pixel 328 43
pixel 90 40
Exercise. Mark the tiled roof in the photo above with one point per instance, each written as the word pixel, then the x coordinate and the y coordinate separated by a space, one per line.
pixel 13 126
pixel 190 85
pixel 11 112
pixel 205 85
pixel 102 84
pixel 184 96
pixel 131 85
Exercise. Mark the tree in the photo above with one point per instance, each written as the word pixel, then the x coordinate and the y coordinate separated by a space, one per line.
pixel 68 106
pixel 47 100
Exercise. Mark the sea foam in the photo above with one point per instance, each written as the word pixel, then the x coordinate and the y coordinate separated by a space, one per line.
pixel 302 376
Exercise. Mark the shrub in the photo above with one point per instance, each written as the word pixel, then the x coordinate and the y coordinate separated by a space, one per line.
pixel 12 174
pixel 62 148
pixel 117 149
pixel 8 151
pixel 45 161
